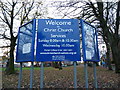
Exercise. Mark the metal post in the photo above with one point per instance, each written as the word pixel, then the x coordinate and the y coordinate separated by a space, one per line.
pixel 75 75
pixel 41 75
pixel 20 76
pixel 86 75
pixel 95 76
pixel 31 75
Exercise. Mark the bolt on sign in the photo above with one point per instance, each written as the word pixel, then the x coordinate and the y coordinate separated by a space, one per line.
pixel 26 40
pixel 89 42
pixel 58 40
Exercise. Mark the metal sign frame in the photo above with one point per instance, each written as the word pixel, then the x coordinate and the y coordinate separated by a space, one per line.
pixel 19 56
pixel 96 57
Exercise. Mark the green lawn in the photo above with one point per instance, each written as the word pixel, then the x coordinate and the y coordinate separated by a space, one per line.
pixel 28 68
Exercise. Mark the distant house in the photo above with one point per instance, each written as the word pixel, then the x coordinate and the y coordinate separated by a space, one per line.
pixel 47 64
pixel 68 63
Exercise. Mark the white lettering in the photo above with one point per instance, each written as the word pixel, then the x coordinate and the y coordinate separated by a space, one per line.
pixel 58 36
pixel 51 22
pixel 58 30
pixel 49 30
pixel 64 30
pixel 50 45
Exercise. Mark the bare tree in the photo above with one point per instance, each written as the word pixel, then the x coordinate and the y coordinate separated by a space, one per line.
pixel 14 13
pixel 106 16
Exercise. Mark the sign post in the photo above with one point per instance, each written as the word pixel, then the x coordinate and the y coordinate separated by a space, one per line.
pixel 86 74
pixel 20 76
pixel 95 76
pixel 41 75
pixel 75 75
pixel 31 75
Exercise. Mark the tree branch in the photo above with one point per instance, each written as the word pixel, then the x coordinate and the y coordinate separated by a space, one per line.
pixel 5 19
pixel 94 9
pixel 18 11
pixel 117 18
pixel 4 36
pixel 107 11
pixel 100 8
pixel 27 13
pixel 4 46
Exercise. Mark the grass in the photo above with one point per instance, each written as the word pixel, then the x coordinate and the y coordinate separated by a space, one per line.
pixel 28 68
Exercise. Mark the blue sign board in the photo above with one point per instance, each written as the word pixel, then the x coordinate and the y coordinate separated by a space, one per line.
pixel 25 44
pixel 89 42
pixel 58 40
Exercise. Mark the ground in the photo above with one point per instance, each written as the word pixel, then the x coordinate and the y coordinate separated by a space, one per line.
pixel 54 78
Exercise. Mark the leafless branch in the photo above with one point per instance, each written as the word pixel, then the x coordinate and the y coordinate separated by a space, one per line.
pixel 4 46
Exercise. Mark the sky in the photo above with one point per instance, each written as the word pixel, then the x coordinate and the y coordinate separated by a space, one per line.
pixel 51 12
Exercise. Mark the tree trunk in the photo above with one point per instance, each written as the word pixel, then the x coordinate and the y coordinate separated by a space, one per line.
pixel 116 56
pixel 108 58
pixel 10 69
pixel 113 44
